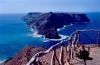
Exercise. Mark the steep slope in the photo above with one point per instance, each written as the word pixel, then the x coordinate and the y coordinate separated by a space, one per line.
pixel 24 55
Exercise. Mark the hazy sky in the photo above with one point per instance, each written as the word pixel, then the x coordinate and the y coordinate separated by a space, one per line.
pixel 25 6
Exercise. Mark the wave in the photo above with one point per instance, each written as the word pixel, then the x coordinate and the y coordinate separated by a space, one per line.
pixel 47 39
pixel 59 29
pixel 63 37
pixel 31 29
pixel 70 25
pixel 83 22
pixel 35 34
pixel 2 61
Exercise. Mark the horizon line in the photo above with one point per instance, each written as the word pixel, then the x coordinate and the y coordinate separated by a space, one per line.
pixel 46 12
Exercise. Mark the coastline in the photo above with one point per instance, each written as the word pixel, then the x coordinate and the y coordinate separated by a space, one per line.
pixel 63 37
pixel 91 26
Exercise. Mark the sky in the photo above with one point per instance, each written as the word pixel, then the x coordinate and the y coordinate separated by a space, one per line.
pixel 25 6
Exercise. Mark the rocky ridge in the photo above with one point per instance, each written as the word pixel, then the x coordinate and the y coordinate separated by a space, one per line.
pixel 47 24
pixel 24 55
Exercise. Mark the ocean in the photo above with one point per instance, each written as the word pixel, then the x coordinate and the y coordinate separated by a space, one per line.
pixel 15 35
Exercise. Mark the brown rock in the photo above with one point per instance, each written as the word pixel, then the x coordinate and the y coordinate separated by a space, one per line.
pixel 24 55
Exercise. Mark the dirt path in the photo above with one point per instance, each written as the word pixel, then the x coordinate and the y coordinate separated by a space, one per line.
pixel 95 54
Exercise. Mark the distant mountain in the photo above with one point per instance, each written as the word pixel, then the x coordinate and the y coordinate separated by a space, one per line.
pixel 47 24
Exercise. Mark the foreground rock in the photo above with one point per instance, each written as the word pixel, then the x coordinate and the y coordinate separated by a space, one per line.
pixel 47 24
pixel 25 54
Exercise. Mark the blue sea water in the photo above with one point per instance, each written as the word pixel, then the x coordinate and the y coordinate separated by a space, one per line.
pixel 15 35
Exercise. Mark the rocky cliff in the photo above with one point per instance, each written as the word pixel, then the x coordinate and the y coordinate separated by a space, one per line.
pixel 24 56
pixel 47 24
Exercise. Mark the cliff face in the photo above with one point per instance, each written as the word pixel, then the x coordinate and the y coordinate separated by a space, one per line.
pixel 47 24
pixel 24 56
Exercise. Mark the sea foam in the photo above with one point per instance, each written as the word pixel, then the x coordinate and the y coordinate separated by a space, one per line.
pixel 59 29
pixel 63 37
pixel 1 61
pixel 35 34
pixel 47 39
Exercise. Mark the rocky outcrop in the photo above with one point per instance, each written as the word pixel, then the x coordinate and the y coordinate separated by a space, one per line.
pixel 47 24
pixel 24 55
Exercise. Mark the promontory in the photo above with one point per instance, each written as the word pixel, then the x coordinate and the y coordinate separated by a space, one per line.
pixel 46 24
